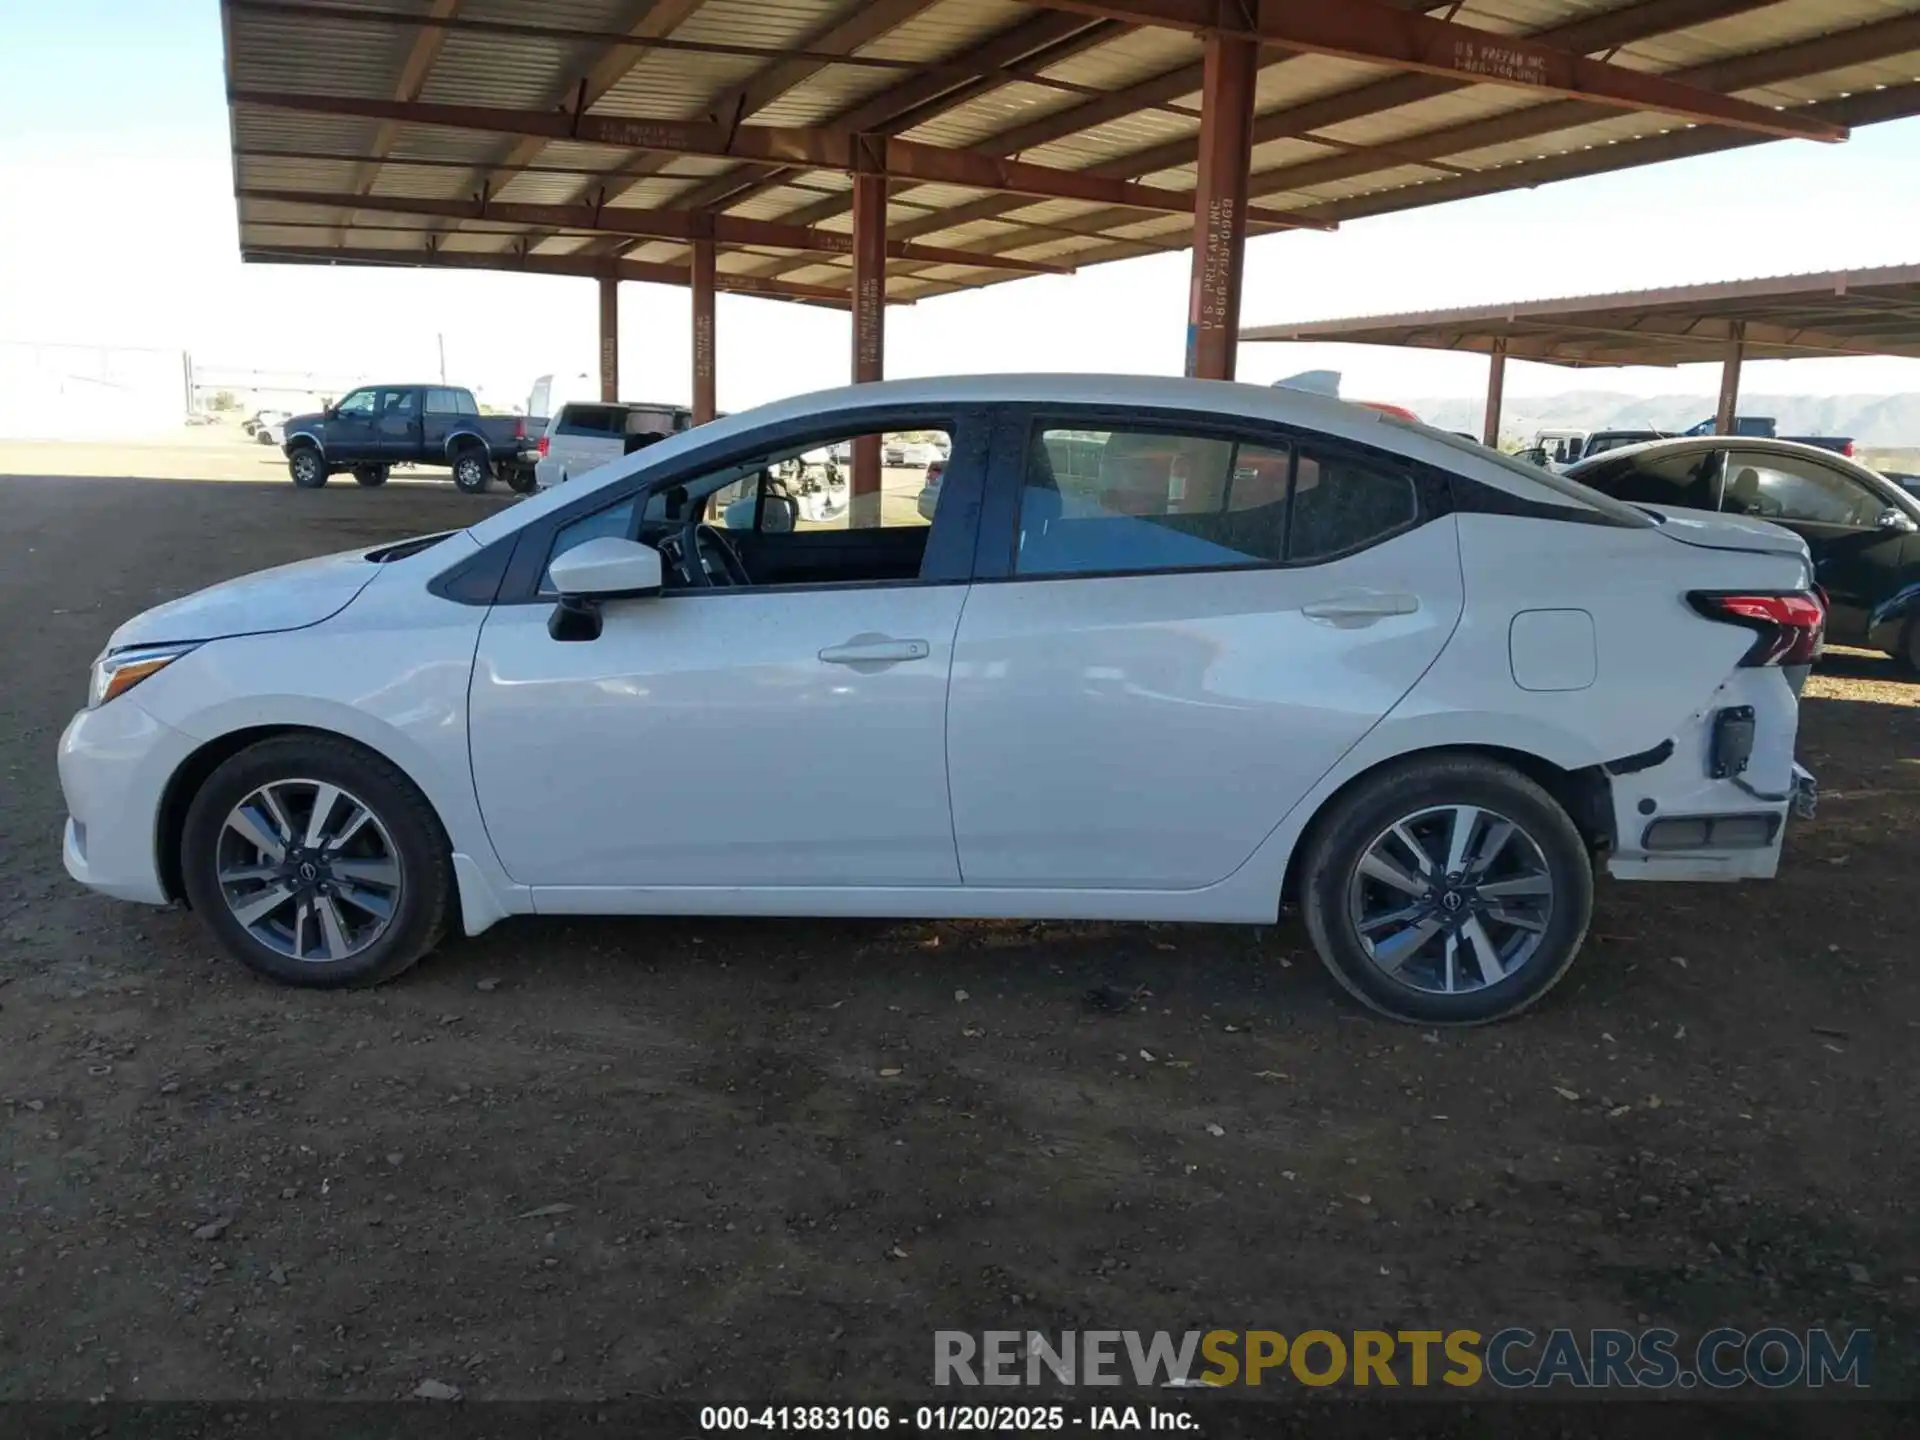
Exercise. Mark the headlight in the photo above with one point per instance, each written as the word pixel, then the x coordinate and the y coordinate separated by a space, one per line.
pixel 120 670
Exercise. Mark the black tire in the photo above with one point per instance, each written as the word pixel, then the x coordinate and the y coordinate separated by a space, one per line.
pixel 1345 834
pixel 372 476
pixel 472 472
pixel 426 892
pixel 521 481
pixel 307 467
pixel 1910 649
pixel 261 437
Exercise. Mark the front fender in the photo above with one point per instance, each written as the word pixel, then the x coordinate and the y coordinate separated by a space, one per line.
pixel 343 676
pixel 296 437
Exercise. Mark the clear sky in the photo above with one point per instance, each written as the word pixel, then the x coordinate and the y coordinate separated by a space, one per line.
pixel 117 227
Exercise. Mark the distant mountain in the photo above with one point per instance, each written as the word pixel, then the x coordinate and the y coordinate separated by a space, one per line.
pixel 1882 420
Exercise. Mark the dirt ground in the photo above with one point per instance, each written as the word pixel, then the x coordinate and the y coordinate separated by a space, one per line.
pixel 752 1159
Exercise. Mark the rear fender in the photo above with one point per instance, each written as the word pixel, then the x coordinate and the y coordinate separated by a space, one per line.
pixel 461 439
pixel 1887 623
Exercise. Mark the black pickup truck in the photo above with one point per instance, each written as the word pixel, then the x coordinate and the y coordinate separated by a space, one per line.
pixel 376 427
pixel 1764 427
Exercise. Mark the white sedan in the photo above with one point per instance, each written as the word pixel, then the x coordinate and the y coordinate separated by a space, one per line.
pixel 1168 650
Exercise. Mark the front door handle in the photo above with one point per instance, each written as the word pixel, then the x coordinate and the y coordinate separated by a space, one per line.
pixel 1360 607
pixel 875 650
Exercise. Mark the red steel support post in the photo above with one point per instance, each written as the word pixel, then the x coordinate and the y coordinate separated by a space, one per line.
pixel 1220 206
pixel 1496 393
pixel 1729 409
pixel 703 409
pixel 609 338
pixel 869 311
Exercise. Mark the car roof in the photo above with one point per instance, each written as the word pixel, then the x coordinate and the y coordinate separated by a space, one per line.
pixel 1681 444
pixel 1212 398
pixel 626 404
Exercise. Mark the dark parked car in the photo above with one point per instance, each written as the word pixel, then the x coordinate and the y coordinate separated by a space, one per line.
pixel 377 427
pixel 1862 529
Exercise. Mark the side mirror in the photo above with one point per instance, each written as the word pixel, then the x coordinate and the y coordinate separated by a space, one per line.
pixel 608 568
pixel 778 514
pixel 1896 522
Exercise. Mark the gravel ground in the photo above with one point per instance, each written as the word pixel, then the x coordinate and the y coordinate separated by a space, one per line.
pixel 740 1159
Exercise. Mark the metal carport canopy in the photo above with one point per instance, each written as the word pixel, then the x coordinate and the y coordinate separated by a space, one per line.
pixel 1790 317
pixel 867 152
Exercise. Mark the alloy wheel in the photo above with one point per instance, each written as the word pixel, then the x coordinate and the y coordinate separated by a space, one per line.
pixel 309 870
pixel 1451 899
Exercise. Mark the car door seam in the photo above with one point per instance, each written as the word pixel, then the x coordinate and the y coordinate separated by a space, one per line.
pixel 473 775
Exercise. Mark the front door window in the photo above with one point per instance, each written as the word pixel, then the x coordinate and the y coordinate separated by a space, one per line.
pixel 1786 487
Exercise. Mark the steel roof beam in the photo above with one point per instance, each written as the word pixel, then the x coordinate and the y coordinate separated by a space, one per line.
pixel 593 267
pixel 678 225
pixel 413 79
pixel 1033 42
pixel 1764 67
pixel 809 148
pixel 1606 31
pixel 845 33
pixel 1770 66
pixel 1367 30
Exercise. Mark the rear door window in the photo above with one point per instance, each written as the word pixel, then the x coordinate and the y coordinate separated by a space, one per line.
pixel 1130 501
pixel 1689 480
pixel 441 401
pixel 596 422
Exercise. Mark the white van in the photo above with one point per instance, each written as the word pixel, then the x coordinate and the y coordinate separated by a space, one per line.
pixel 584 435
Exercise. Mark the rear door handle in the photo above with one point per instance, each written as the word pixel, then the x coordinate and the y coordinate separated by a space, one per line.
pixel 1360 607
pixel 875 650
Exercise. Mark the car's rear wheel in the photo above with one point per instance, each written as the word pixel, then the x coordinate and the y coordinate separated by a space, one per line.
pixel 471 472
pixel 1447 890
pixel 316 863
pixel 308 469
pixel 370 475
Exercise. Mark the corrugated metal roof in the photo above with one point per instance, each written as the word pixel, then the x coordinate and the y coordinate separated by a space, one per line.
pixel 1004 77
pixel 1858 312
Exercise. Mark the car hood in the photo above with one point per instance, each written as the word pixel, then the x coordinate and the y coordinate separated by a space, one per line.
pixel 1710 531
pixel 287 597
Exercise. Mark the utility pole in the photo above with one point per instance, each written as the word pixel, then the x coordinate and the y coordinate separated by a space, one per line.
pixel 443 356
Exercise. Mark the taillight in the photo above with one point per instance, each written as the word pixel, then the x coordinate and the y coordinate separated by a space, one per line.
pixel 1787 624
pixel 1846 450
pixel 520 428
pixel 543 447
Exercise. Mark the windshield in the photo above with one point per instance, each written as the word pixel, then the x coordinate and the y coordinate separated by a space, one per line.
pixel 1534 475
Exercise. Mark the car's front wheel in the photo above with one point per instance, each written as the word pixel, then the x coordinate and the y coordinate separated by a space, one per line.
pixel 308 469
pixel 521 480
pixel 1447 890
pixel 316 863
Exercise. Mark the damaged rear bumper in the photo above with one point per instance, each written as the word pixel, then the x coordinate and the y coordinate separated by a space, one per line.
pixel 1714 804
